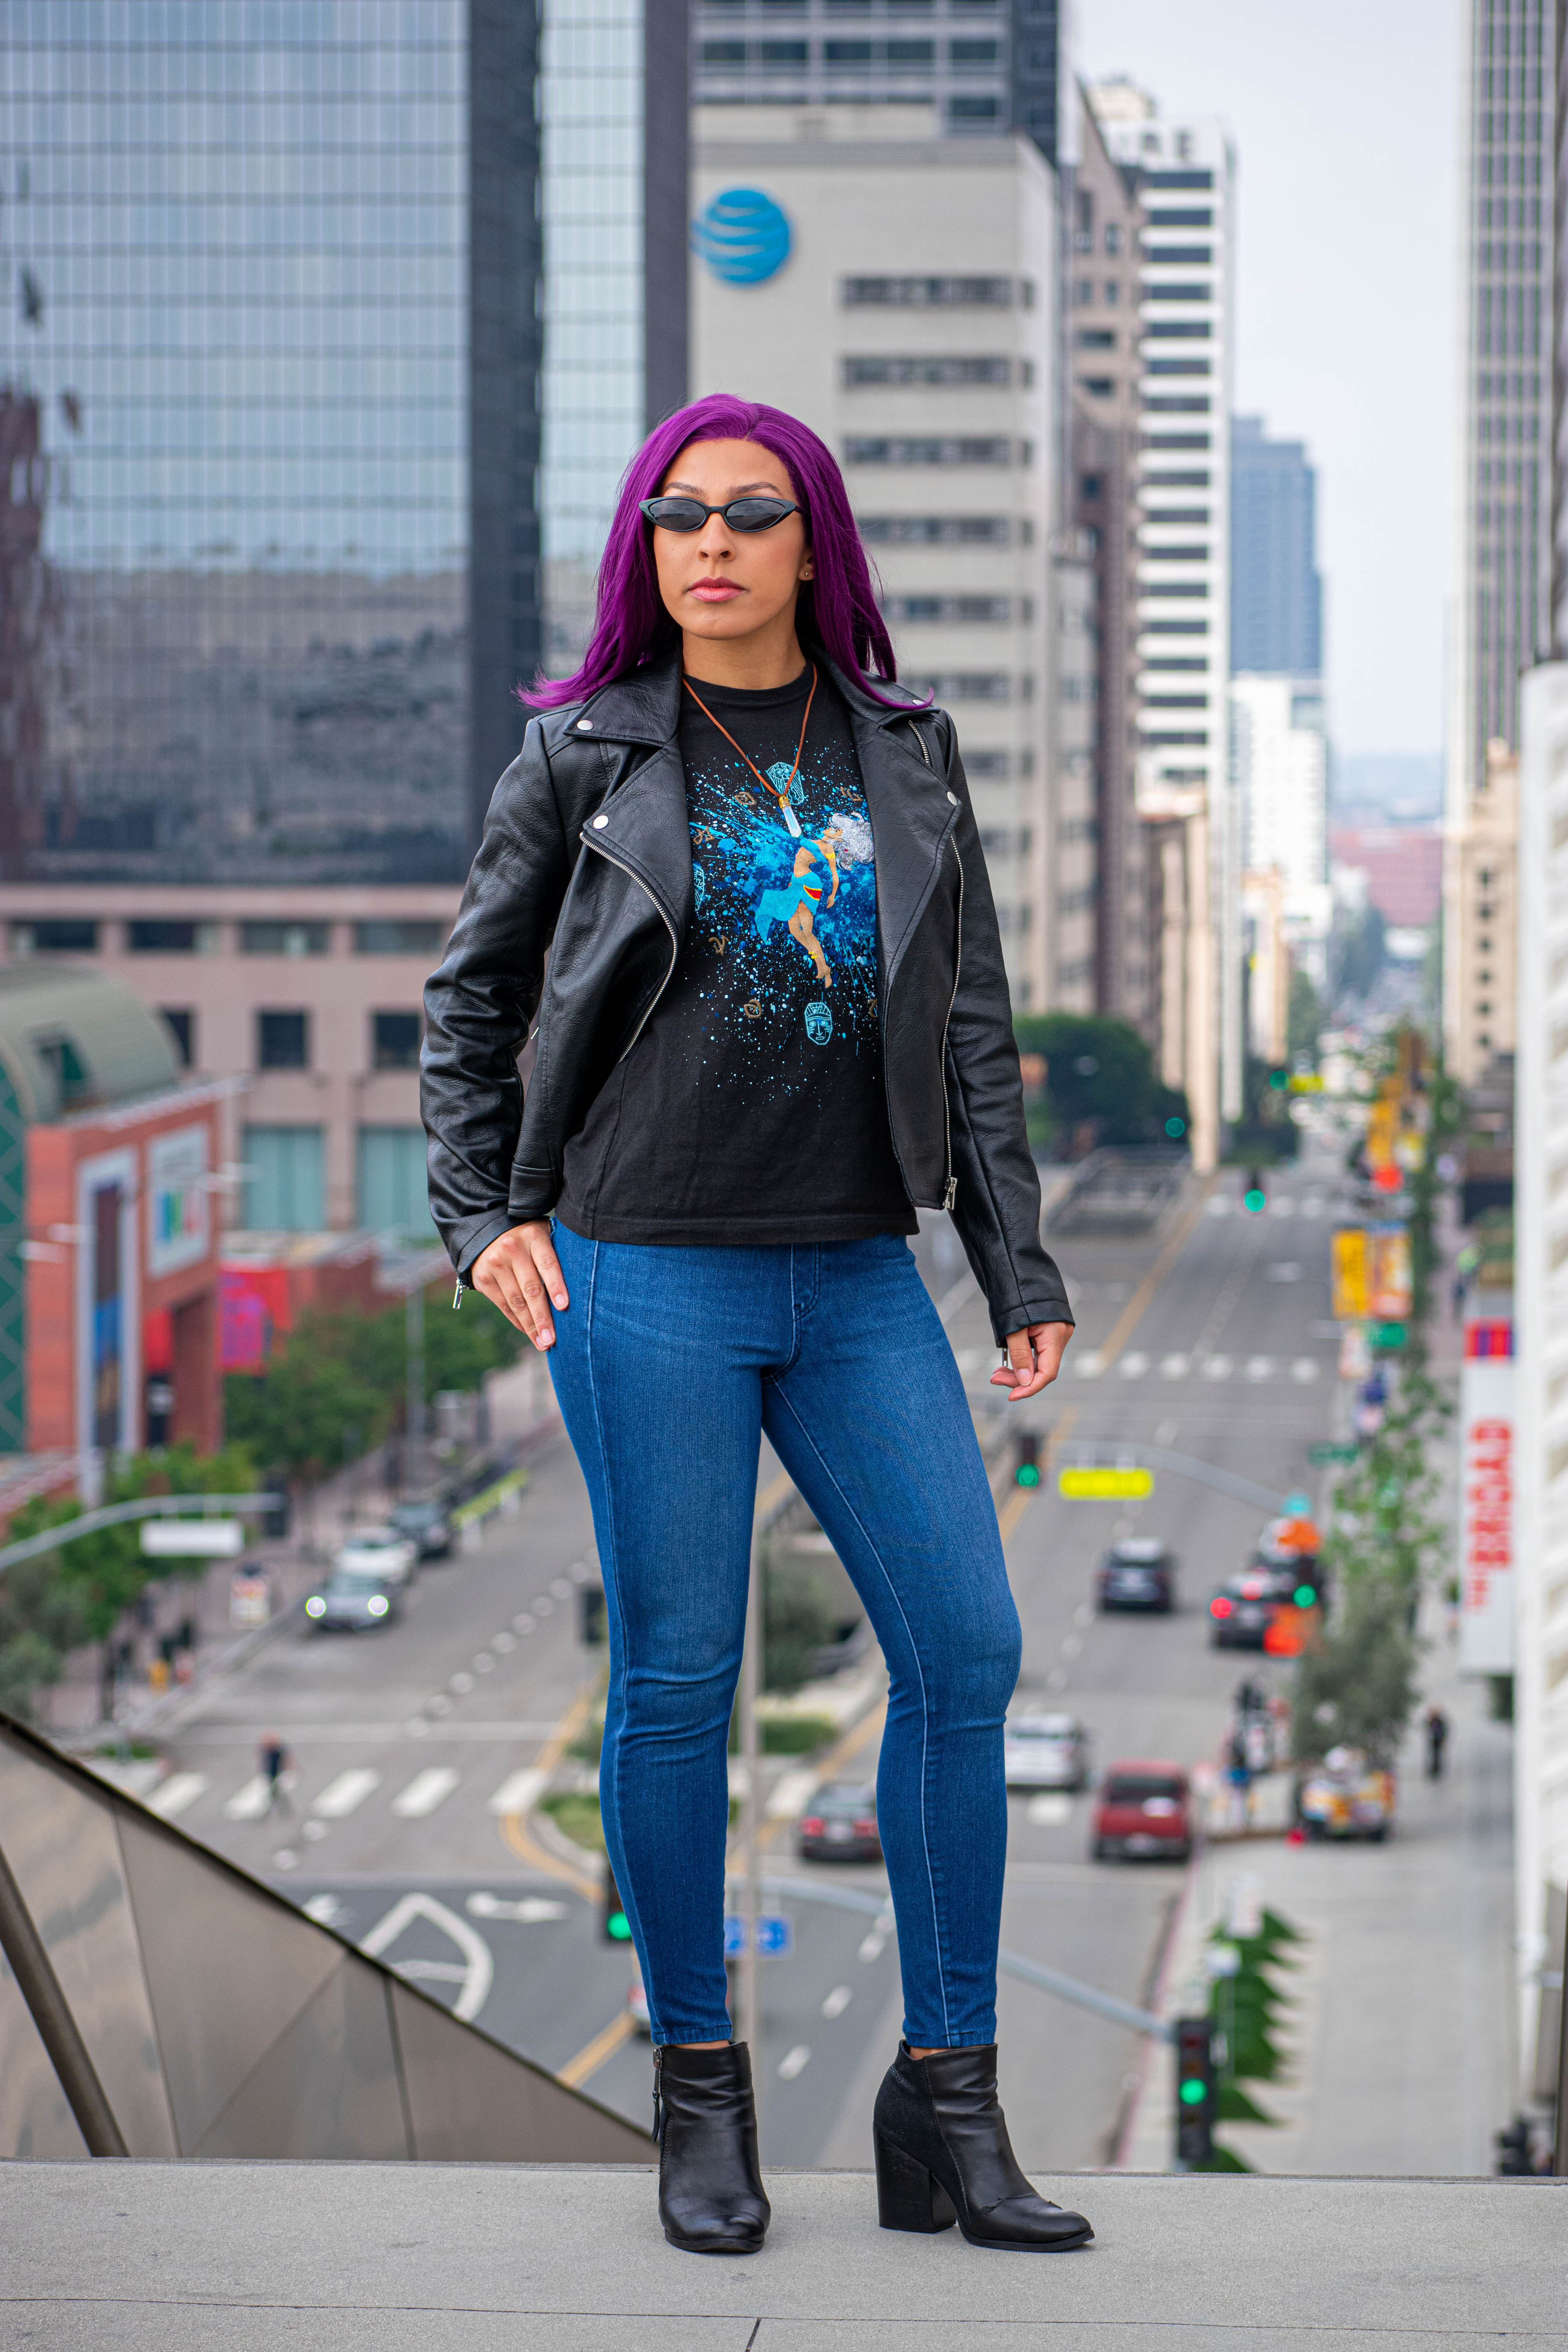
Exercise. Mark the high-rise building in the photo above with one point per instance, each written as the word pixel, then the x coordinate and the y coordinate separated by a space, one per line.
pixel 897 290
pixel 1279 756
pixel 1104 367
pixel 1481 855
pixel 1186 175
pixel 271 339
pixel 1502 616
pixel 990 68
pixel 613 112
pixel 1275 591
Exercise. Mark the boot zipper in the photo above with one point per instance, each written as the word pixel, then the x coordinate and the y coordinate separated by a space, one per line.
pixel 658 2096
pixel 669 927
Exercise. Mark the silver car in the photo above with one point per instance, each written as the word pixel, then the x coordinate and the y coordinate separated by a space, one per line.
pixel 384 1552
pixel 1044 1752
pixel 352 1601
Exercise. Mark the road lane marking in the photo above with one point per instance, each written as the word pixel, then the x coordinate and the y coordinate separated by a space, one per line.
pixel 1174 1368
pixel 1216 1367
pixel 792 1794
pixel 520 1791
pixel 513 1821
pixel 250 1803
pixel 425 1792
pixel 1133 1365
pixel 1088 1368
pixel 838 2001
pixel 1220 1205
pixel 795 2062
pixel 1132 1314
pixel 181 1790
pixel 593 2054
pixel 1305 1368
pixel 340 1797
pixel 1048 1813
pixel 1259 1368
pixel 530 1909
pixel 477 1973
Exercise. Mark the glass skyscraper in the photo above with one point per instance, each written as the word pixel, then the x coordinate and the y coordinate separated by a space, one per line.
pixel 1276 589
pixel 269 415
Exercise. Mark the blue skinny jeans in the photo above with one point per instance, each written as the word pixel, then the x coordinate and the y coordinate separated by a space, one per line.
pixel 668 1365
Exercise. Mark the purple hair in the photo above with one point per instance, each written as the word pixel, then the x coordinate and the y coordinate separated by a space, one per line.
pixel 837 609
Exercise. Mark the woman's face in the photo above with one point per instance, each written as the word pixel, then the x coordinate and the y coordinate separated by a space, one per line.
pixel 720 583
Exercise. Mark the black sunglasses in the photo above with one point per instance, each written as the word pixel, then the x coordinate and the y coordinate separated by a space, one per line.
pixel 741 514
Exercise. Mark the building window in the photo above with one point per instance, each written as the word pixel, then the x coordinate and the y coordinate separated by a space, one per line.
pixel 1194 331
pixel 842 54
pixel 908 56
pixel 781 53
pixel 966 450
pixel 1176 481
pixel 1181 217
pixel 936 368
pixel 992 766
pixel 1113 291
pixel 1177 367
pixel 395 1041
pixel 410 939
pixel 1196 553
pixel 1112 236
pixel 182 1024
pixel 284 939
pixel 926 293
pixel 968 685
pixel 1177 514
pixel 393 1186
pixel 972 53
pixel 935 530
pixel 282 1041
pixel 284 1189
pixel 1173 290
pixel 974 110
pixel 724 53
pixel 73 1087
pixel 1177 180
pixel 1099 387
pixel 55 935
pixel 1176 702
pixel 1095 339
pixel 996 610
pixel 160 938
pixel 1193 256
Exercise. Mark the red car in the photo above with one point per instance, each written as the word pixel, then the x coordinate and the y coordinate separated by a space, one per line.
pixel 1143 1809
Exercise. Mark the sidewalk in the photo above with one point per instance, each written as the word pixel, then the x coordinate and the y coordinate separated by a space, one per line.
pixel 1403 2032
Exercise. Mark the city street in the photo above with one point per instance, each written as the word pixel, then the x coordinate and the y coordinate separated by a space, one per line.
pixel 420 1752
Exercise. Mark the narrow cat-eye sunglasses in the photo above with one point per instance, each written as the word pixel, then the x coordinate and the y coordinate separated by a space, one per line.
pixel 741 514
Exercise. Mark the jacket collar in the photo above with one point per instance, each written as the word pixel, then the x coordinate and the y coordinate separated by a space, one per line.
pixel 644 705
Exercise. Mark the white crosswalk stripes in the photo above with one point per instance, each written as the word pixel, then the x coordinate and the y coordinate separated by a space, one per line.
pixel 1177 1366
pixel 520 1791
pixel 180 1790
pixel 1133 1366
pixel 248 1804
pixel 425 1792
pixel 1304 1368
pixel 1216 1367
pixel 1258 1368
pixel 1174 1368
pixel 346 1793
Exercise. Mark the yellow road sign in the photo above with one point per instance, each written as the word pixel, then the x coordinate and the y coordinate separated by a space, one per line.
pixel 1104 1485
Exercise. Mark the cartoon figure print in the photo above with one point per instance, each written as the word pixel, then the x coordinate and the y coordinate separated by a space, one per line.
pixel 797 905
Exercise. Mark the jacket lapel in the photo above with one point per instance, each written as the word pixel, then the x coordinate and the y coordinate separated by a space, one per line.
pixel 911 813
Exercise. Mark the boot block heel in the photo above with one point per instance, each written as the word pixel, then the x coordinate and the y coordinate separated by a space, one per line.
pixel 907 2196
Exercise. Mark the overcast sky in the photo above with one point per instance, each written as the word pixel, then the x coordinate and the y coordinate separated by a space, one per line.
pixel 1343 115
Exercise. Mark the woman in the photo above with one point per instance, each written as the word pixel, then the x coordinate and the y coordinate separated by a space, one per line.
pixel 700 1210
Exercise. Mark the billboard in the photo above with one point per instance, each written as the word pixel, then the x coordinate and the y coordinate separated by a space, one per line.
pixel 1487 1434
pixel 179 1218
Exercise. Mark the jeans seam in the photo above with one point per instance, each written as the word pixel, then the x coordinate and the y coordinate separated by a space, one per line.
pixel 925 1703
pixel 612 1594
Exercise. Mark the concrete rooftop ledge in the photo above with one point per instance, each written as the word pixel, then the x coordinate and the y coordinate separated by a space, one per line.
pixel 403 2258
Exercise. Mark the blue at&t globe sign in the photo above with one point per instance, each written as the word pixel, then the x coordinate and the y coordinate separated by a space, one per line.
pixel 743 235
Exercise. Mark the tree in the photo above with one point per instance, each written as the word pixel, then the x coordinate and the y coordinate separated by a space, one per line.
pixel 1356 1683
pixel 40 1620
pixel 1099 1083
pixel 1304 1018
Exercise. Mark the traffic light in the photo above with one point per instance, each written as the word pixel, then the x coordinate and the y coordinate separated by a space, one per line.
pixel 614 1927
pixel 592 1618
pixel 1027 1473
pixel 1278 1080
pixel 1198 2093
pixel 1255 1198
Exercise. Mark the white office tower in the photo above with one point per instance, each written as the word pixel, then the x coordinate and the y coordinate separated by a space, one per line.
pixel 1541 1291
pixel 1281 757
pixel 896 290
pixel 1186 183
pixel 1501 615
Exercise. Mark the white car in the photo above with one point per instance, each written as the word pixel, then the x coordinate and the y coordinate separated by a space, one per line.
pixel 1044 1752
pixel 382 1553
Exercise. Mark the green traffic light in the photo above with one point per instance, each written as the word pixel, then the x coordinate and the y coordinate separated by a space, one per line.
pixel 618 1927
pixel 1176 1126
pixel 1029 1476
pixel 1278 1080
pixel 1255 1200
pixel 1306 1598
pixel 1193 2093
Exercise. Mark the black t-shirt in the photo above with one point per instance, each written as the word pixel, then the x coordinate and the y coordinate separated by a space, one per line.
pixel 751 1107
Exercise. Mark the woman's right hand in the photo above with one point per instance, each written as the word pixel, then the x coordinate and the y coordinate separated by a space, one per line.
pixel 520 1273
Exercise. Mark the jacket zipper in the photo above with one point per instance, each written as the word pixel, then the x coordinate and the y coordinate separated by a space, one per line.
pixel 949 1194
pixel 669 927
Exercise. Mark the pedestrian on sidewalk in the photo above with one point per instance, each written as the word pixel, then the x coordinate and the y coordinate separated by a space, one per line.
pixel 275 1765
pixel 1437 1727
pixel 775 1023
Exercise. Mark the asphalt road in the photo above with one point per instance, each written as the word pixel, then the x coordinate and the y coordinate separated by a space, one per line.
pixel 419 1750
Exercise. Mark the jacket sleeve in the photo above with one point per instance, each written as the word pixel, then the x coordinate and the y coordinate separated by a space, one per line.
pixel 996 1207
pixel 479 1003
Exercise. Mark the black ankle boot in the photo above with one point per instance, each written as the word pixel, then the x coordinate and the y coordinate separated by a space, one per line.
pixel 943 2156
pixel 711 2194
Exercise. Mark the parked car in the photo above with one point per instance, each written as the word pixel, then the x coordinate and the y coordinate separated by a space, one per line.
pixel 384 1552
pixel 1143 1809
pixel 354 1601
pixel 1243 1609
pixel 427 1525
pixel 1139 1572
pixel 841 1825
pixel 1044 1752
pixel 1346 1796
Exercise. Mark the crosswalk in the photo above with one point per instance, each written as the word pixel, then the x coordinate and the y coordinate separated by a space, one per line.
pixel 1227 1204
pixel 1134 1364
pixel 347 1791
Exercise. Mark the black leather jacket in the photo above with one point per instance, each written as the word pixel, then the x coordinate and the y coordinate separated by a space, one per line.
pixel 605 776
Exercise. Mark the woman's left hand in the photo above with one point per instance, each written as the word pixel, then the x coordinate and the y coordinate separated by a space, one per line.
pixel 1034 1359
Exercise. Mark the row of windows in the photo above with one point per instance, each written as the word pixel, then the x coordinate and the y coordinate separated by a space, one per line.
pixel 937 369
pixel 935 293
pixel 939 449
pixel 282 1039
pixel 991 609
pixel 286 1187
pixel 732 8
pixel 81 935
pixel 909 57
pixel 971 685
pixel 997 842
pixel 1198 552
pixel 943 531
